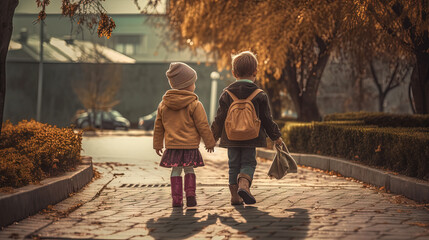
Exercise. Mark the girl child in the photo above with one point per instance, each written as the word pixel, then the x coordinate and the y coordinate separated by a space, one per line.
pixel 181 120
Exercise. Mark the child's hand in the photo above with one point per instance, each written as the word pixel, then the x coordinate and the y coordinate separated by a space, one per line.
pixel 159 152
pixel 279 141
pixel 210 150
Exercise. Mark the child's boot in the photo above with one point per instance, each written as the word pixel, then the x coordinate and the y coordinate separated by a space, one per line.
pixel 177 191
pixel 235 198
pixel 244 183
pixel 190 187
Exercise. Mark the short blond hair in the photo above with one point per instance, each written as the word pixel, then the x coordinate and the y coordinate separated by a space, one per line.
pixel 244 64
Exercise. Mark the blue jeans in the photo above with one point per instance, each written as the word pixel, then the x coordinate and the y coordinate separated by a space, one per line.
pixel 241 160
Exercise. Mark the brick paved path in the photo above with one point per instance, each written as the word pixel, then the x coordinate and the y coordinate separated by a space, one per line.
pixel 132 201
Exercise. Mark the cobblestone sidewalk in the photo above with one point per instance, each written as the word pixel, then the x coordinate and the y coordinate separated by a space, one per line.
pixel 133 202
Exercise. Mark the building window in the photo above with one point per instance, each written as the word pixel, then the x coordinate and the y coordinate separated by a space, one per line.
pixel 126 48
pixel 129 44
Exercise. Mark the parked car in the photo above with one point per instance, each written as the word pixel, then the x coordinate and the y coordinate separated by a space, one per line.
pixel 102 119
pixel 147 122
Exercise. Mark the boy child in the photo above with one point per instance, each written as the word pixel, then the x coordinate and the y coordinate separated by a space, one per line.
pixel 242 154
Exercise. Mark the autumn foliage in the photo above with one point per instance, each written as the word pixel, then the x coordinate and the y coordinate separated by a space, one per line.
pixel 89 13
pixel 31 151
pixel 294 39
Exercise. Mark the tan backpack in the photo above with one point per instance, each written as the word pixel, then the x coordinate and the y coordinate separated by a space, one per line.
pixel 242 122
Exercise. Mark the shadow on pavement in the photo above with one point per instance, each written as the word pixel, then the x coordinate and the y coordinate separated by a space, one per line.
pixel 179 225
pixel 260 224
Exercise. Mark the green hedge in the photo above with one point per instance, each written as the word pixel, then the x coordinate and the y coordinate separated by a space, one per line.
pixel 282 121
pixel 31 151
pixel 382 119
pixel 403 150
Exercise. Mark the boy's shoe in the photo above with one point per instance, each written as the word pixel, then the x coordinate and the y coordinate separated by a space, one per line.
pixel 235 198
pixel 190 187
pixel 244 182
pixel 177 191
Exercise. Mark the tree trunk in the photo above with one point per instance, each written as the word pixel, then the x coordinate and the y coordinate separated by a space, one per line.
pixel 273 90
pixel 420 83
pixel 7 9
pixel 305 99
pixel 381 97
pixel 91 117
pixel 305 103
pixel 410 98
pixel 309 109
pixel 360 94
pixel 275 101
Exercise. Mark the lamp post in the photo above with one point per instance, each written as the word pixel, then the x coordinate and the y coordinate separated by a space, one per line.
pixel 214 76
pixel 40 81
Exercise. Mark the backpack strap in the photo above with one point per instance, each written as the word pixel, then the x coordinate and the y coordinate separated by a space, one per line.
pixel 253 95
pixel 234 98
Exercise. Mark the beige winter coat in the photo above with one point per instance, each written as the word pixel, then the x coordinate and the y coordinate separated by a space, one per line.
pixel 182 121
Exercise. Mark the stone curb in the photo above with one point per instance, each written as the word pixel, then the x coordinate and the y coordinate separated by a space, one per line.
pixel 30 199
pixel 117 133
pixel 417 190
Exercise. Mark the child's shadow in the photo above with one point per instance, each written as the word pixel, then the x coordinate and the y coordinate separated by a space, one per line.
pixel 259 223
pixel 179 225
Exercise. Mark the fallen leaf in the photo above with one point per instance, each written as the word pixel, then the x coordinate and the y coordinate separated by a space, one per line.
pixel 378 149
pixel 419 224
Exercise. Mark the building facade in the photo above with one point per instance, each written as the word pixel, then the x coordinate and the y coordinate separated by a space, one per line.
pixel 145 57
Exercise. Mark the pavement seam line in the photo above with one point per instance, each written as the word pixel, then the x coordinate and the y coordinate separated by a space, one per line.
pixel 74 208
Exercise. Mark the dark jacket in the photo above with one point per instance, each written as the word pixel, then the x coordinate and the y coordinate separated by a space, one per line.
pixel 243 89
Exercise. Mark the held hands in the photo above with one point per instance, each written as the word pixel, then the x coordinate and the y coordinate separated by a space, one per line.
pixel 210 150
pixel 159 152
pixel 279 141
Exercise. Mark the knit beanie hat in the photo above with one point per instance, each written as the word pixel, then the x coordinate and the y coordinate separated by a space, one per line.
pixel 180 75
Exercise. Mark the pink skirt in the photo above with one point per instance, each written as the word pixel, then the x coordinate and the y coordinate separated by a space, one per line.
pixel 181 158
